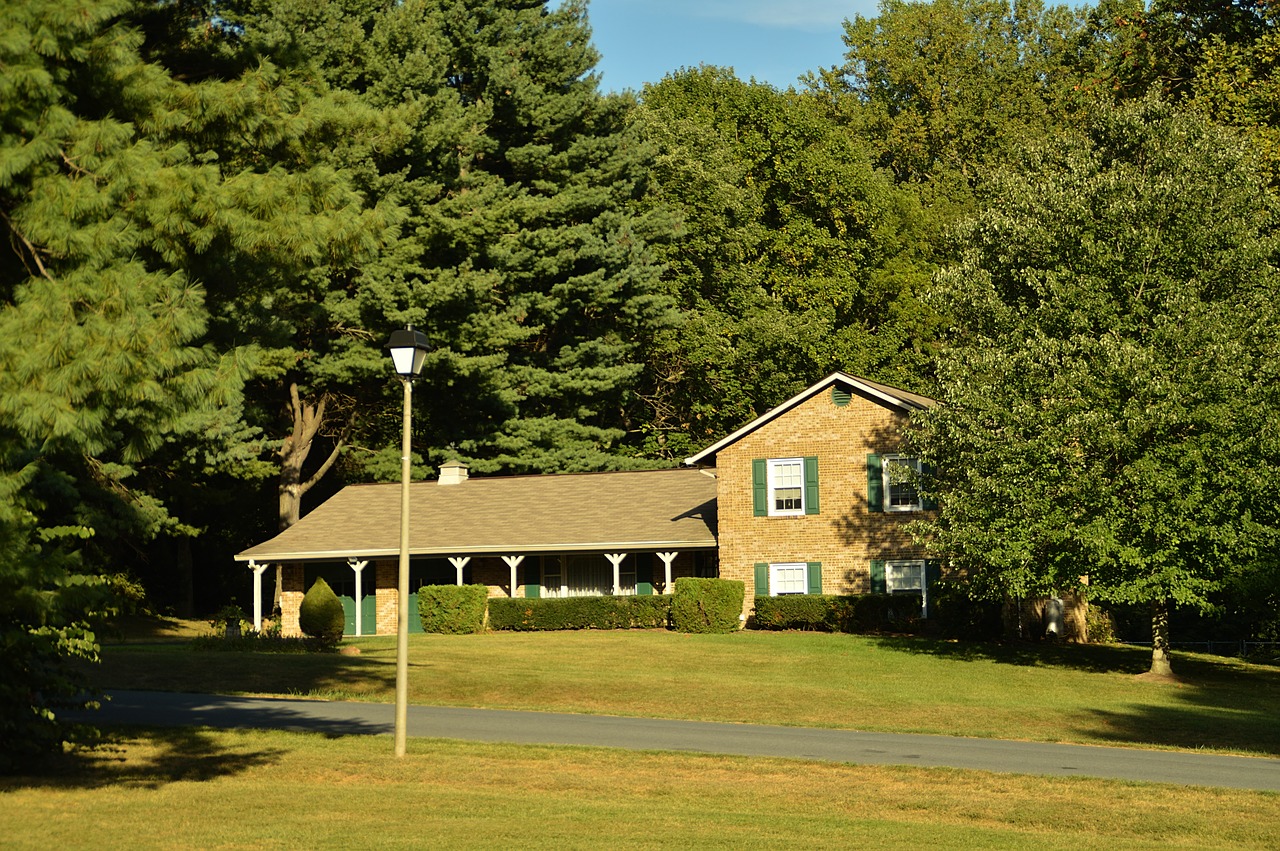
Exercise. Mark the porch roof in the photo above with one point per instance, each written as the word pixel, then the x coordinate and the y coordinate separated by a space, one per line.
pixel 508 515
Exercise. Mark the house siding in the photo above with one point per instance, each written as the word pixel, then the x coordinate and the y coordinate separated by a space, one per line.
pixel 845 535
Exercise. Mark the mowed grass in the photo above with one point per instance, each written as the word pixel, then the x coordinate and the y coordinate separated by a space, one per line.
pixel 258 789
pixel 1083 694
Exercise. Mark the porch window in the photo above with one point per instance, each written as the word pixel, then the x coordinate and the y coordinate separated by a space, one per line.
pixel 585 575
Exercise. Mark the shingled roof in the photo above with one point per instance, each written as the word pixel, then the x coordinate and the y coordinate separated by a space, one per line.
pixel 601 512
pixel 893 398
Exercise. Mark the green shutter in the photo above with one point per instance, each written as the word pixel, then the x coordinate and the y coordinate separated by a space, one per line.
pixel 875 483
pixel 932 572
pixel 811 485
pixel 644 574
pixel 877 577
pixel 533 578
pixel 762 579
pixel 840 396
pixel 815 577
pixel 928 503
pixel 760 487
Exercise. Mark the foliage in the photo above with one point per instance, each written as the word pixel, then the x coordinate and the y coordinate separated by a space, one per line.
pixel 796 256
pixel 707 605
pixel 452 609
pixel 943 87
pixel 606 612
pixel 1106 395
pixel 320 615
pixel 853 613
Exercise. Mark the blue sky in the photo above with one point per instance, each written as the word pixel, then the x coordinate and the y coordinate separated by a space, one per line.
pixel 775 41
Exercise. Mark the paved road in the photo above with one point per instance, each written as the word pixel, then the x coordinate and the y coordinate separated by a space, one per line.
pixel 492 725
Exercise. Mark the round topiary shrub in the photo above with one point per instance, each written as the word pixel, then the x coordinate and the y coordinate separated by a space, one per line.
pixel 321 615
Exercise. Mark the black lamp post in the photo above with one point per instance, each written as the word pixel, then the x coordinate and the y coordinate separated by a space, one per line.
pixel 408 353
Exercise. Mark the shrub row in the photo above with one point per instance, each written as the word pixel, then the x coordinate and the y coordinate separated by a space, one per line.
pixel 530 614
pixel 859 613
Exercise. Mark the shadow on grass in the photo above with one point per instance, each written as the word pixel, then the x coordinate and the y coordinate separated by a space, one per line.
pixel 1093 658
pixel 179 668
pixel 145 759
pixel 1214 702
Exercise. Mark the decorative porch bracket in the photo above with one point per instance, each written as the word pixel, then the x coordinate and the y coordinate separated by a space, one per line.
pixel 513 562
pixel 667 559
pixel 458 563
pixel 358 567
pixel 615 559
pixel 257 593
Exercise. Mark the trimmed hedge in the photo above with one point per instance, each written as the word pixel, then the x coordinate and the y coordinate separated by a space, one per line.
pixel 452 609
pixel 533 614
pixel 320 615
pixel 858 613
pixel 707 605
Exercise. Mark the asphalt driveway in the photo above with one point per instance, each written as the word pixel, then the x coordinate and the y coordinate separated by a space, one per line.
pixel 494 725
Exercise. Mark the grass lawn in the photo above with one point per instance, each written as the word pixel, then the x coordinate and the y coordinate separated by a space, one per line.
pixel 1080 694
pixel 255 789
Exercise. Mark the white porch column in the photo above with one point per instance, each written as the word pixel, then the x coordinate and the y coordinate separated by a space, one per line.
pixel 667 559
pixel 615 559
pixel 513 562
pixel 358 567
pixel 257 593
pixel 458 563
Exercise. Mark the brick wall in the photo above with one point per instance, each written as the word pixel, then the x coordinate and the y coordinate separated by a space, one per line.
pixel 845 536
pixel 291 594
pixel 386 580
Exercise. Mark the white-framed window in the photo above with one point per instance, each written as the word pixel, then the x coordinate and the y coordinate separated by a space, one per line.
pixel 907 576
pixel 788 578
pixel 901 483
pixel 786 486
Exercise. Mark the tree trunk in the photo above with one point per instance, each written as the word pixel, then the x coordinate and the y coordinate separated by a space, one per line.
pixel 307 421
pixel 1160 664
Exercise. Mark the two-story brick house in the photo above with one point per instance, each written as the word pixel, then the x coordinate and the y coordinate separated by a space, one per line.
pixel 811 497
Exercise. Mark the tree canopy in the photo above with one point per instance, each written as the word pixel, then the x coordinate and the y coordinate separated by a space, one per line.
pixel 1108 393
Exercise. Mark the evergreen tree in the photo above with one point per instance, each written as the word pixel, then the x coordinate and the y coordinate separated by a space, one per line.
pixel 521 253
pixel 130 200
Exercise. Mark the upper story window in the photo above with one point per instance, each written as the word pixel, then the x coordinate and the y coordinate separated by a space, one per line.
pixel 784 487
pixel 901 483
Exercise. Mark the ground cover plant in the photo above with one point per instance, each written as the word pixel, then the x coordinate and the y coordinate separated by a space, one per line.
pixel 1087 694
pixel 239 789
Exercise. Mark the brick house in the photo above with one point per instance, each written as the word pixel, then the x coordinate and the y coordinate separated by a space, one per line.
pixel 811 497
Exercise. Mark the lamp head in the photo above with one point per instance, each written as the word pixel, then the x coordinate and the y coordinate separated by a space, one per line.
pixel 408 351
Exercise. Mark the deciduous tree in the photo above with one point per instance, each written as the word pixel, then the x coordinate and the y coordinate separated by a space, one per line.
pixel 1107 400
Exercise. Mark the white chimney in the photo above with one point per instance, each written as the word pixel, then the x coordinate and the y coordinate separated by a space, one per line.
pixel 452 473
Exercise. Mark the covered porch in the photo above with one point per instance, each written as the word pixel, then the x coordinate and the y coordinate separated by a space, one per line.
pixel 533 536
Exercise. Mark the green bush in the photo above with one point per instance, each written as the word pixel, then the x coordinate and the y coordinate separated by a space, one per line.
pixel 452 609
pixel 954 614
pixel 531 614
pixel 320 615
pixel 1098 625
pixel 856 614
pixel 707 605
pixel 798 611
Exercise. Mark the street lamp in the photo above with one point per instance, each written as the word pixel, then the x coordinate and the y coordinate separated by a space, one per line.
pixel 408 353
